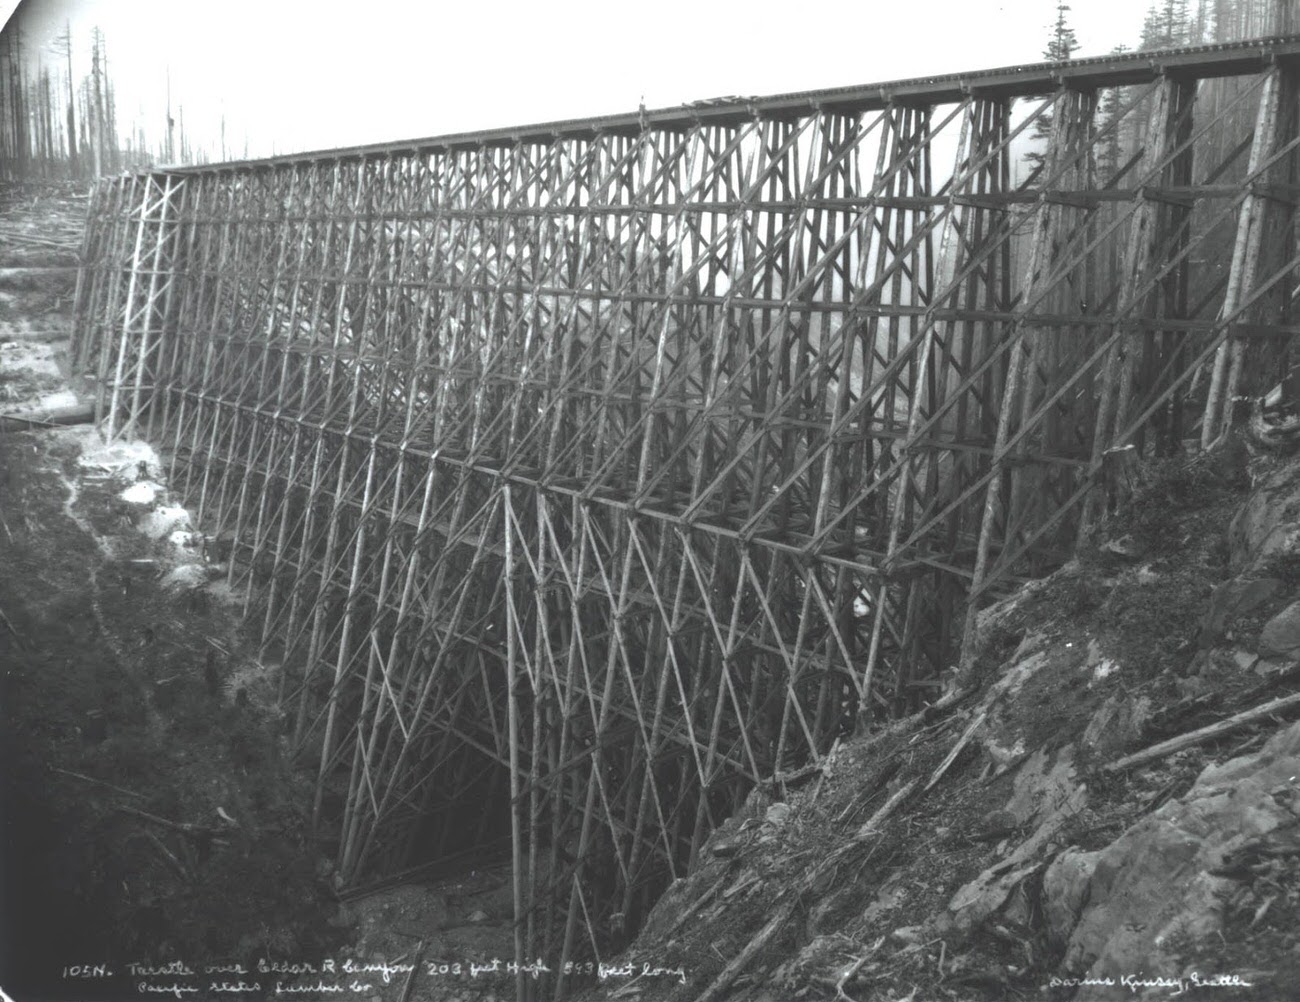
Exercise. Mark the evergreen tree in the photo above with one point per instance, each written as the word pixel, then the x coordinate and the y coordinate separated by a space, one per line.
pixel 1168 24
pixel 1061 43
pixel 1111 149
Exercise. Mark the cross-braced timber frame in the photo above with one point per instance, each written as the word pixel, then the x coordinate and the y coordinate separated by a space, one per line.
pixel 583 476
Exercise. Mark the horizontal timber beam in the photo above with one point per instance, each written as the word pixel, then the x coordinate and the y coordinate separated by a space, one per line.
pixel 1197 62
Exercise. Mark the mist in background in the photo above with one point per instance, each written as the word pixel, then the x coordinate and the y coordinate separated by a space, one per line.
pixel 256 77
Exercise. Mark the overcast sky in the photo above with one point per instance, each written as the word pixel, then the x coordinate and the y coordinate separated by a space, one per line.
pixel 307 74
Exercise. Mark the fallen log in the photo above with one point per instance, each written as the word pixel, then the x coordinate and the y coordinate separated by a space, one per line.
pixel 956 749
pixel 70 242
pixel 177 826
pixel 97 782
pixel 56 417
pixel 39 337
pixel 872 825
pixel 756 946
pixel 1204 734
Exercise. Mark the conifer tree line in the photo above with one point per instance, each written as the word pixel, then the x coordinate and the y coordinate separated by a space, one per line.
pixel 1172 23
pixel 55 125
pixel 1167 24
pixel 1118 123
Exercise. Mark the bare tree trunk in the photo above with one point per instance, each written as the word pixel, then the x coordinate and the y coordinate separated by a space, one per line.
pixel 112 157
pixel 18 106
pixel 72 116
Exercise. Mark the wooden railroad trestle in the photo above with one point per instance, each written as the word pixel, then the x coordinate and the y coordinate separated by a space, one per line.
pixel 583 476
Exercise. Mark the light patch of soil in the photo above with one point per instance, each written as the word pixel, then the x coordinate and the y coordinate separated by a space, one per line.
pixel 125 753
pixel 151 811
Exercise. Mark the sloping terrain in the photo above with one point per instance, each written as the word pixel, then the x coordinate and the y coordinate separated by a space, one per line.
pixel 150 809
pixel 1103 808
pixel 1009 843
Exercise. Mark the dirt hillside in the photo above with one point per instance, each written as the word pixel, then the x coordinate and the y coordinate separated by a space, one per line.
pixel 1107 808
pixel 151 811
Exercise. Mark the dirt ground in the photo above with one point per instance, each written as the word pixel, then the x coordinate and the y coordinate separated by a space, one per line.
pixel 151 810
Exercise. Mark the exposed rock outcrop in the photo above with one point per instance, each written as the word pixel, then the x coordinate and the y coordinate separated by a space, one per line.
pixel 1105 806
pixel 1159 890
pixel 1268 525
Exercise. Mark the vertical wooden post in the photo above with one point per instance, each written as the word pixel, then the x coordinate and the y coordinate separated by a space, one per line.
pixel 125 340
pixel 1226 373
pixel 1044 224
pixel 914 455
pixel 516 833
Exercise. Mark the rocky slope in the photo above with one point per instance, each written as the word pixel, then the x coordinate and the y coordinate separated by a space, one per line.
pixel 1109 807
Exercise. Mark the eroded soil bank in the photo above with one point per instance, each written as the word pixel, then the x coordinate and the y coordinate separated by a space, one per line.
pixel 151 811
pixel 150 808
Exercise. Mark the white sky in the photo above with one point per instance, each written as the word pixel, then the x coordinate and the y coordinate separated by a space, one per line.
pixel 302 75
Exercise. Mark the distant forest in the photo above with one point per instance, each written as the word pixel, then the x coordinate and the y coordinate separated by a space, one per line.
pixel 1168 24
pixel 56 127
pixel 53 126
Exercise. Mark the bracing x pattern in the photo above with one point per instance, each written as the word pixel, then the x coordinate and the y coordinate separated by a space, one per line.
pixel 615 467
